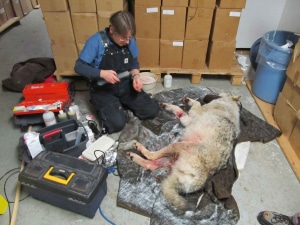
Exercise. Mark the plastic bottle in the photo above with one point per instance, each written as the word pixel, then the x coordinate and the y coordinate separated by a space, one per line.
pixel 71 113
pixel 49 118
pixel 62 116
pixel 77 111
pixel 80 131
pixel 167 81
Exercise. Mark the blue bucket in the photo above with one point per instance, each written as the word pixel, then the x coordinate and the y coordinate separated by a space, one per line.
pixel 272 60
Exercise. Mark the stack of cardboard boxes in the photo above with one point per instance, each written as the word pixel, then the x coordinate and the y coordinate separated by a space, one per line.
pixel 287 108
pixel 70 23
pixel 173 34
pixel 15 8
pixel 187 34
pixel 183 34
pixel 223 33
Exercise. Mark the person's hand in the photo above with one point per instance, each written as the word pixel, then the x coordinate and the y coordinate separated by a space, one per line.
pixel 137 83
pixel 109 76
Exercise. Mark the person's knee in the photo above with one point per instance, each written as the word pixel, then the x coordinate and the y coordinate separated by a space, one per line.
pixel 114 125
pixel 113 118
pixel 151 111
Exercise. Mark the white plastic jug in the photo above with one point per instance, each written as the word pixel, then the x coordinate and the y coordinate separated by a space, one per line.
pixel 167 81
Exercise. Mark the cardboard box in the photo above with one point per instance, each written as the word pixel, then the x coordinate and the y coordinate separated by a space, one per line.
pixel 170 55
pixel 35 3
pixel 220 54
pixel 54 5
pixel 84 25
pixel 64 50
pixel 194 54
pixel 8 9
pixel 26 6
pixel 80 46
pixel 284 115
pixel 83 6
pixel 293 70
pixel 231 4
pixel 17 8
pixel 147 21
pixel 292 93
pixel 175 3
pixel 152 3
pixel 65 66
pixel 65 56
pixel 148 52
pixel 59 26
pixel 103 19
pixel 225 24
pixel 287 105
pixel 111 5
pixel 294 138
pixel 3 17
pixel 202 3
pixel 172 23
pixel 198 23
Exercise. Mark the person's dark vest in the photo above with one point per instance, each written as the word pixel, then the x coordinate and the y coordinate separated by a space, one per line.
pixel 117 58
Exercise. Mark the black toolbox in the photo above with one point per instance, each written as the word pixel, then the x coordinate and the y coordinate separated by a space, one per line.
pixel 59 138
pixel 66 182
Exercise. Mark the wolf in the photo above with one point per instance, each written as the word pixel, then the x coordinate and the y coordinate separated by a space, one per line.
pixel 207 141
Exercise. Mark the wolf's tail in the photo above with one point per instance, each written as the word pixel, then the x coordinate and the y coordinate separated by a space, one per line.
pixel 170 189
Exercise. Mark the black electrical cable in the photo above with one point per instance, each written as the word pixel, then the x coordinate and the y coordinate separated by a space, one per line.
pixel 93 126
pixel 12 171
pixel 102 157
pixel 8 172
pixel 5 193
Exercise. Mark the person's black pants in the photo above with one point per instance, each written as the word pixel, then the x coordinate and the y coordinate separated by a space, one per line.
pixel 110 100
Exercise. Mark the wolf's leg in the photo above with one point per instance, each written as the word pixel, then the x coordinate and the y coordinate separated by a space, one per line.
pixel 169 150
pixel 178 112
pixel 148 164
pixel 171 192
pixel 190 101
pixel 127 145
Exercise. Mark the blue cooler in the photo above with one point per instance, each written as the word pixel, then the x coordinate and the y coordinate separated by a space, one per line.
pixel 272 60
pixel 66 182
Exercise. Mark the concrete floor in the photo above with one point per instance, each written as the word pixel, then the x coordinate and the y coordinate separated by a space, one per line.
pixel 267 181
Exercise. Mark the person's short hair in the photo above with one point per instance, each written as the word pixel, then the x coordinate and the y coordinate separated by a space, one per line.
pixel 122 22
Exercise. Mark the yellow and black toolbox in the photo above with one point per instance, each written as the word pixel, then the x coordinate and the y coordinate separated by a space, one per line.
pixel 66 182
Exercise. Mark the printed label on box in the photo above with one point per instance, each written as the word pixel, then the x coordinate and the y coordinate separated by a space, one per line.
pixel 235 14
pixel 168 12
pixel 152 10
pixel 177 43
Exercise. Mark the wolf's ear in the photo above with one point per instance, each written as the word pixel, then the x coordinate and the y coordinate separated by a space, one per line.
pixel 236 98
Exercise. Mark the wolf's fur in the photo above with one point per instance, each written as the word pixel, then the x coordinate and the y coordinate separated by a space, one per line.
pixel 204 148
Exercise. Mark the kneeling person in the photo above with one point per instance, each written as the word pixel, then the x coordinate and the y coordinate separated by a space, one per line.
pixel 106 54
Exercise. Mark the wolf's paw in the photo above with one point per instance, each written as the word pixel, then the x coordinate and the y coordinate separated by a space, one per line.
pixel 164 105
pixel 129 155
pixel 138 146
pixel 127 145
pixel 189 101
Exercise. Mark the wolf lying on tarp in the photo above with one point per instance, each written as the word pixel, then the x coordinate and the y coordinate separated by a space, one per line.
pixel 140 190
pixel 204 147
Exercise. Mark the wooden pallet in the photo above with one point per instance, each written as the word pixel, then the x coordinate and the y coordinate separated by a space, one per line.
pixel 10 22
pixel 235 72
pixel 267 111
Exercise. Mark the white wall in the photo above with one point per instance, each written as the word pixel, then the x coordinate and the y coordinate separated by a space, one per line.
pixel 290 19
pixel 261 16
